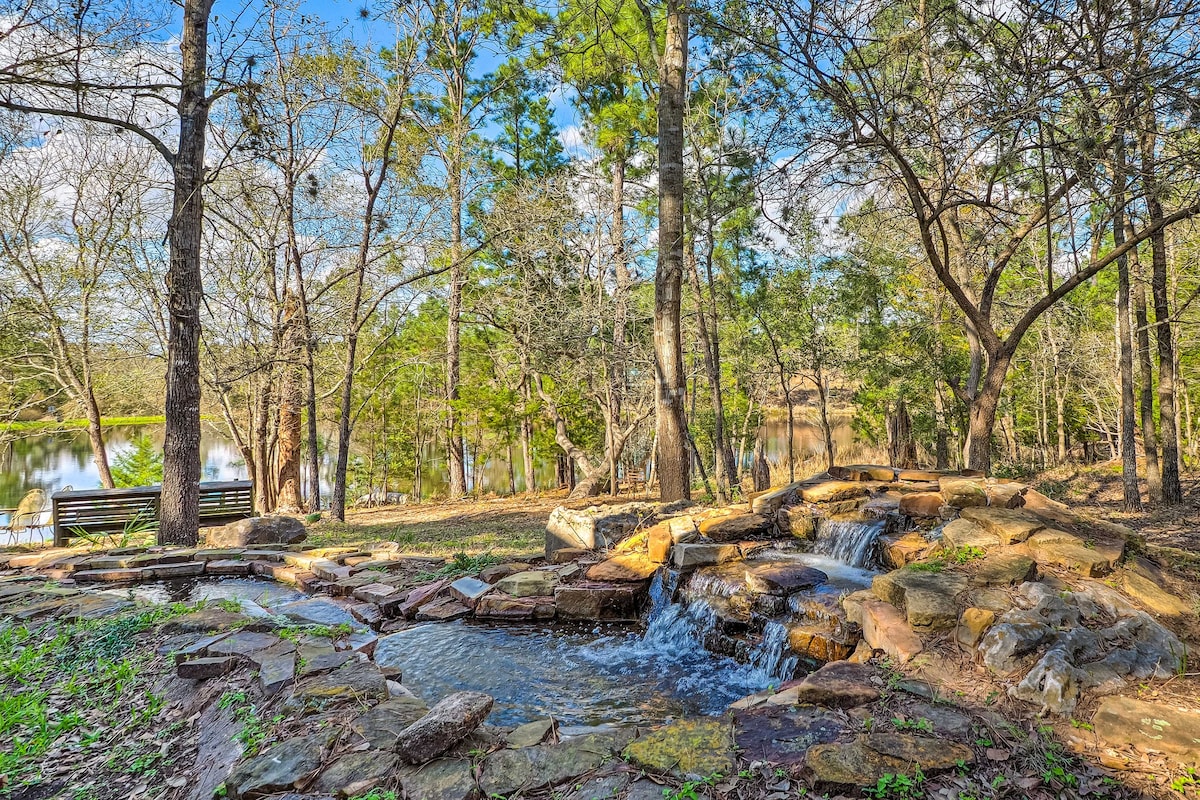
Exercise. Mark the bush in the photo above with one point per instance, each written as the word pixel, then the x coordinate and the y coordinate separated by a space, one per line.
pixel 142 465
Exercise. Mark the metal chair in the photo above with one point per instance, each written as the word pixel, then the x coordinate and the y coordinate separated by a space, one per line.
pixel 27 516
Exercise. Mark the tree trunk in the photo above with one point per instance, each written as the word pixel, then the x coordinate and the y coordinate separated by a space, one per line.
pixel 455 459
pixel 1172 491
pixel 1145 382
pixel 291 398
pixel 179 506
pixel 96 438
pixel 941 447
pixel 1132 498
pixel 709 343
pixel 673 459
pixel 527 435
pixel 264 497
pixel 826 426
pixel 983 412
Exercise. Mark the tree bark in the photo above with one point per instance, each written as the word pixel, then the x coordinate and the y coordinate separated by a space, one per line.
pixel 1132 498
pixel 179 510
pixel 455 459
pixel 982 418
pixel 1172 491
pixel 291 397
pixel 1145 382
pixel 673 459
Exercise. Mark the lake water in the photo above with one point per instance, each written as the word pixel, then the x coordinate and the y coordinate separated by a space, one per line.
pixel 55 461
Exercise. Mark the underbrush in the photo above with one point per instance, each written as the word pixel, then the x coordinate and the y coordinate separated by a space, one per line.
pixel 76 689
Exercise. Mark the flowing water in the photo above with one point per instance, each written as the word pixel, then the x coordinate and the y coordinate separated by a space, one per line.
pixel 582 678
pixel 849 541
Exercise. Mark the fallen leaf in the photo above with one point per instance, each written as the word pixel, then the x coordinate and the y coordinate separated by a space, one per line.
pixel 996 754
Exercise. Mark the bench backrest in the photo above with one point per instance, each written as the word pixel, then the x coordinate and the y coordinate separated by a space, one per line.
pixel 115 510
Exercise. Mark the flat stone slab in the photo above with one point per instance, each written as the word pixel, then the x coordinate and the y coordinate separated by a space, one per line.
pixel 830 491
pixel 895 587
pixel 783 736
pixel 1091 558
pixel 355 774
pixel 1006 568
pixel 498 606
pixel 287 765
pixel 381 726
pixel 1010 526
pixel 961 533
pixel 737 527
pixel 885 629
pixel 443 610
pixel 783 579
pixel 228 567
pixel 692 556
pixel 1149 727
pixel 866 759
pixel 839 684
pixel 317 611
pixel 202 669
pixel 443 779
pixel 529 583
pixel 686 747
pixel 356 680
pixel 962 492
pixel 625 567
pixel 243 643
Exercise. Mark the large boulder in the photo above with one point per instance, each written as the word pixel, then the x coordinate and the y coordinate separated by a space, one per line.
pixel 256 531
pixel 593 528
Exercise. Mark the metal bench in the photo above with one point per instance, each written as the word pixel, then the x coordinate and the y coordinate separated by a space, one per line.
pixel 107 511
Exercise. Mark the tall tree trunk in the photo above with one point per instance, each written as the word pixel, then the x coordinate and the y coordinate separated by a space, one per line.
pixel 179 508
pixel 826 425
pixel 941 447
pixel 527 434
pixel 1132 498
pixel 673 459
pixel 291 398
pixel 264 497
pixel 455 459
pixel 1172 491
pixel 709 343
pixel 1145 382
pixel 96 436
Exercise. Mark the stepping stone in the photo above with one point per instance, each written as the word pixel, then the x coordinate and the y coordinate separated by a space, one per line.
pixel 128 575
pixel 829 491
pixel 931 594
pixel 1004 569
pixel 866 759
pixel 446 724
pixel 244 643
pixel 769 502
pixel 357 680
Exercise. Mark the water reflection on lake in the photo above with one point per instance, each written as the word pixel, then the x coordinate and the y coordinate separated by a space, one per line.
pixel 54 461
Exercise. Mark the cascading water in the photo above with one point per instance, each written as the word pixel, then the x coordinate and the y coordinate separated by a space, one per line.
pixel 773 656
pixel 851 541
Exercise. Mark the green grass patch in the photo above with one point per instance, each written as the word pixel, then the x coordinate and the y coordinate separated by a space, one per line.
pixel 50 426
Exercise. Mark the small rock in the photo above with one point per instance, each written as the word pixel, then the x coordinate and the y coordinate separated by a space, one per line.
pixel 317 611
pixel 412 602
pixel 530 734
pixel 798 521
pixel 374 593
pixel 469 590
pixel 498 571
pixel 446 724
pixel 972 625
pixel 202 669
pixel 600 787
pixel 736 527
pixel 923 505
pixel 600 602
pixel 691 556
pixel 962 492
pixel 1004 569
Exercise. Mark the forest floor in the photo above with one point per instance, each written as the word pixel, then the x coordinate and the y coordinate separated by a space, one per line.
pixel 1096 489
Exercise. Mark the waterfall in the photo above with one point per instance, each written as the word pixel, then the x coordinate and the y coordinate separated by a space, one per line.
pixel 773 655
pixel 662 593
pixel 680 626
pixel 849 540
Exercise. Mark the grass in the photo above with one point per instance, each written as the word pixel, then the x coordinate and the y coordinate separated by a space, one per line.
pixel 503 528
pixel 77 682
pixel 74 424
